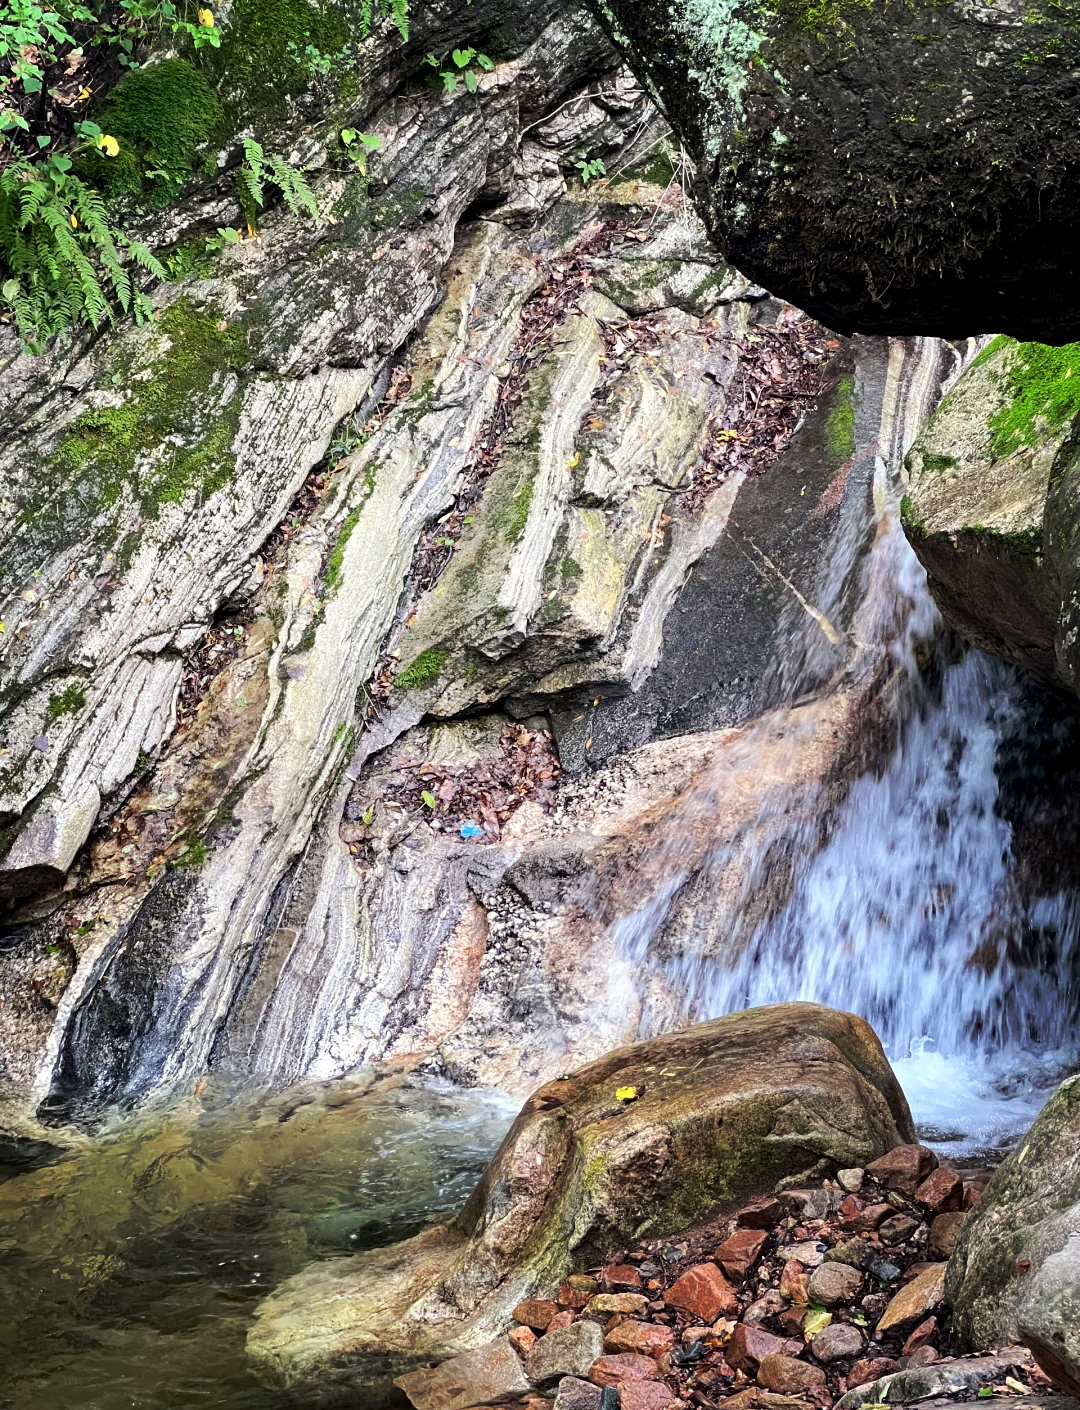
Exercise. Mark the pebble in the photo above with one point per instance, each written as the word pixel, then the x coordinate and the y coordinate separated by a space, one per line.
pixel 944 1232
pixel 575 1394
pixel 835 1283
pixel 898 1229
pixel 788 1376
pixel 750 1345
pixel 851 1180
pixel 760 1213
pixel 566 1351
pixel 904 1168
pixel 863 1372
pixel 622 1277
pixel 809 1253
pixel 640 1338
pixel 704 1293
pixel 853 1251
pixel 535 1313
pixel 738 1254
pixel 622 1368
pixel 630 1304
pixel 942 1191
pixel 924 1356
pixel 919 1297
pixel 795 1283
pixel 646 1395
pixel 521 1339
pixel 923 1335
pixel 835 1341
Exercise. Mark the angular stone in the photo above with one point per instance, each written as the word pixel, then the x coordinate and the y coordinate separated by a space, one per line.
pixel 704 1293
pixel 811 1204
pixel 916 1299
pixel 574 1394
pixel 489 1375
pixel 535 1313
pixel 640 1338
pixel 574 1294
pixel 898 1228
pixel 749 1345
pixel 835 1283
pixel 621 1277
pixel 792 1319
pixel 851 1180
pixel 769 1304
pixel 1049 1316
pixel 904 1168
pixel 623 1368
pixel 943 1378
pixel 922 1356
pixel 836 1341
pixel 754 1398
pixel 852 1251
pixel 809 1253
pixel 563 1318
pixel 787 1376
pixel 738 1254
pixel 923 1335
pixel 646 1395
pixel 761 1213
pixel 944 1232
pixel 863 1372
pixel 942 1191
pixel 605 1304
pixel 521 1339
pixel 795 1282
pixel 868 1219
pixel 568 1351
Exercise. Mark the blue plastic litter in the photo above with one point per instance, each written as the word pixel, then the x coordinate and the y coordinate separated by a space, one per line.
pixel 470 829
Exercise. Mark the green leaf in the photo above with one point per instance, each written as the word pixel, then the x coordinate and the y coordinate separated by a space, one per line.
pixel 11 288
pixel 449 80
pixel 43 141
pixel 816 1321
pixel 370 141
pixel 429 798
pixel 485 63
pixel 348 135
pixel 230 236
pixel 985 1392
pixel 471 81
pixel 463 57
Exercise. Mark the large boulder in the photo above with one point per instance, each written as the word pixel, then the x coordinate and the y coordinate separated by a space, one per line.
pixel 866 162
pixel 1015 1270
pixel 991 506
pixel 652 1138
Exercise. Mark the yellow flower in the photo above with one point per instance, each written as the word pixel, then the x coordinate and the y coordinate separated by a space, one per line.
pixel 206 17
pixel 109 145
pixel 74 222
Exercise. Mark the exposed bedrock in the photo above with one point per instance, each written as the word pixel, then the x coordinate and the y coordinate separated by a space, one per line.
pixel 992 507
pixel 866 162
pixel 651 1139
pixel 1015 1271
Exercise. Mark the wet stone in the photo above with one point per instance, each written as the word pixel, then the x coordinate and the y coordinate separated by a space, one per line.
pixel 787 1376
pixel 837 1341
pixel 738 1254
pixel 704 1293
pixel 904 1168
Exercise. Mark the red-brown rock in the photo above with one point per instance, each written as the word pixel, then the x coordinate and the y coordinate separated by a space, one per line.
pixel 792 1319
pixel 647 1395
pixel 576 1291
pixel 944 1232
pixel 748 1345
pixel 704 1293
pixel 621 1277
pixel 787 1376
pixel 972 1195
pixel 916 1299
pixel 521 1338
pixel 565 1318
pixel 941 1191
pixel 761 1213
pixel 863 1372
pixel 738 1254
pixel 904 1168
pixel 868 1219
pixel 795 1283
pixel 640 1338
pixel 922 1356
pixel 535 1313
pixel 623 1369
pixel 923 1335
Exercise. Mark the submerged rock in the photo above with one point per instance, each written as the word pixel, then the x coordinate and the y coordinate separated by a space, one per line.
pixel 1015 1270
pixel 865 161
pixel 652 1138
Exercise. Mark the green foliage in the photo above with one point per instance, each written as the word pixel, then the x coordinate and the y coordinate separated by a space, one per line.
pixel 1044 386
pixel 272 48
pixel 457 64
pixel 159 114
pixel 194 853
pixel 332 578
pixel 257 169
pixel 359 145
pixel 590 170
pixel 422 671
pixel 60 257
pixel 397 10
pixel 840 427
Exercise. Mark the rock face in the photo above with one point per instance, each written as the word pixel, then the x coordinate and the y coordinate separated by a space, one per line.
pixel 1015 1270
pixel 651 1138
pixel 991 507
pixel 821 137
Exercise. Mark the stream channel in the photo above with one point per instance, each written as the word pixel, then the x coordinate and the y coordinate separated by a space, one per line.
pixel 128 1271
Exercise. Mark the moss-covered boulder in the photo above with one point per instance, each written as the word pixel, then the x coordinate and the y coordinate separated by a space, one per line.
pixel 652 1138
pixel 1015 1270
pixel 991 506
pixel 868 162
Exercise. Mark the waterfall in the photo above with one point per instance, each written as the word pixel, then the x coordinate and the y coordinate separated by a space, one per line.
pixel 912 913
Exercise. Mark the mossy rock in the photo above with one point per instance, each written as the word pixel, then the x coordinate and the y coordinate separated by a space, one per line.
pixel 865 161
pixel 1028 1217
pixel 650 1140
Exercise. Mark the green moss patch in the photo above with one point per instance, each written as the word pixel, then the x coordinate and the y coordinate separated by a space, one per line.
pixel 272 48
pixel 1044 387
pixel 840 427
pixel 165 440
pixel 332 579
pixel 422 671
pixel 159 114
pixel 67 702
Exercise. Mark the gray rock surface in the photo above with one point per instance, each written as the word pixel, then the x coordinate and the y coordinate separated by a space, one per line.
pixel 1014 1265
pixel 567 1351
